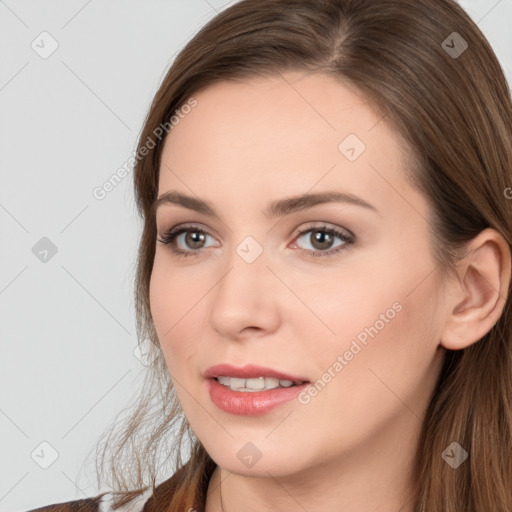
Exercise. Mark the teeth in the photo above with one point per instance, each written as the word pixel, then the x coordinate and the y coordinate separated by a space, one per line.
pixel 259 383
pixel 254 384
pixel 237 383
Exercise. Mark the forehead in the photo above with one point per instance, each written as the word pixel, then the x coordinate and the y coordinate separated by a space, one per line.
pixel 289 133
pixel 286 109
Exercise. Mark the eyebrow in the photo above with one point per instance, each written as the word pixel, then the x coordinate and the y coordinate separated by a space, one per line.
pixel 276 209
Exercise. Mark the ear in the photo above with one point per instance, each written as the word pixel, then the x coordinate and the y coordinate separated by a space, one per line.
pixel 476 299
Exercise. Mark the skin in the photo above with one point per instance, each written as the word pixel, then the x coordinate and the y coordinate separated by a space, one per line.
pixel 243 146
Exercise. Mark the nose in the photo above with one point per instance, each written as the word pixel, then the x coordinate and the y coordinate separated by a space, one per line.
pixel 245 301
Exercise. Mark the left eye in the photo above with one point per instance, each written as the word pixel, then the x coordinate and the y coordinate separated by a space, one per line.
pixel 321 239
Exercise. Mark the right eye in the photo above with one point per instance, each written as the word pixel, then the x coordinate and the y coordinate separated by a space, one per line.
pixel 192 237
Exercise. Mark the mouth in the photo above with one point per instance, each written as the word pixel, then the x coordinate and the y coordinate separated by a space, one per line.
pixel 251 390
pixel 255 384
pixel 252 377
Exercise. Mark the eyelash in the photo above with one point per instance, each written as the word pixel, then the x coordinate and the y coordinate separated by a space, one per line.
pixel 170 236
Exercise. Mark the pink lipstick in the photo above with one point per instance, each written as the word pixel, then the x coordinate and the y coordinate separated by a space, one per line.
pixel 251 390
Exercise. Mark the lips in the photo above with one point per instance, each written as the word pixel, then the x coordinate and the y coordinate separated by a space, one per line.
pixel 251 401
pixel 249 372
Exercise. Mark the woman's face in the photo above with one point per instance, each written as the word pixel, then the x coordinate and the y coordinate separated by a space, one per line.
pixel 353 305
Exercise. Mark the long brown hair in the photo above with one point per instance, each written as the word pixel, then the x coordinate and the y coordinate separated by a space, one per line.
pixel 427 67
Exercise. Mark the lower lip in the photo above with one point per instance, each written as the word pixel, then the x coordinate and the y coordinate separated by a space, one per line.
pixel 251 403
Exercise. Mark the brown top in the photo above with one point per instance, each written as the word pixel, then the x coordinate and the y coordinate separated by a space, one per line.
pixel 156 500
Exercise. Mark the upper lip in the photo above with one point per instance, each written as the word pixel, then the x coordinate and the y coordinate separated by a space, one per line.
pixel 249 371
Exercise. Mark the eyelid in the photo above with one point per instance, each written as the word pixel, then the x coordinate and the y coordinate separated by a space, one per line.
pixel 323 225
pixel 297 232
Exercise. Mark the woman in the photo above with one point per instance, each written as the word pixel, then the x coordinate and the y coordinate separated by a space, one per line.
pixel 325 265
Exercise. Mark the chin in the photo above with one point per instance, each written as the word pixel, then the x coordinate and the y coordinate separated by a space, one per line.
pixel 258 459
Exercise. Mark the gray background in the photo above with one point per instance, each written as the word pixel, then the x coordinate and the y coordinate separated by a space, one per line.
pixel 68 122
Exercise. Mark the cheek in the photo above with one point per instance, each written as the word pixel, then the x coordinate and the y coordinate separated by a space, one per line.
pixel 387 369
pixel 173 303
pixel 384 352
pixel 381 313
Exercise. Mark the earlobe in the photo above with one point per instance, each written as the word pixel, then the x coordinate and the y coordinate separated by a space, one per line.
pixel 476 300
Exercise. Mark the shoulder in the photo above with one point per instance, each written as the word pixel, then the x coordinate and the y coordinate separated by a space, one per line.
pixel 85 505
pixel 101 503
pixel 153 499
